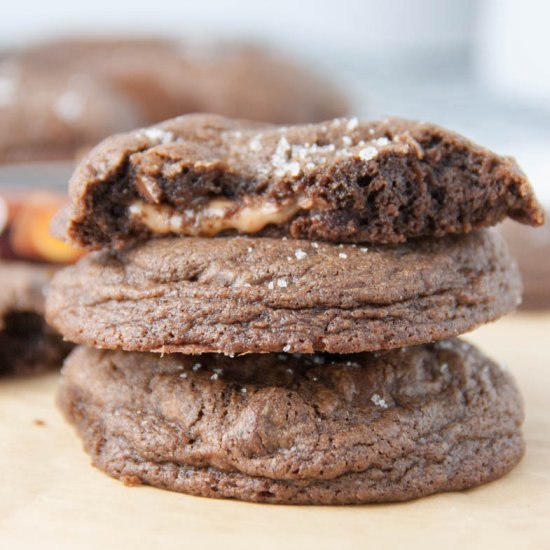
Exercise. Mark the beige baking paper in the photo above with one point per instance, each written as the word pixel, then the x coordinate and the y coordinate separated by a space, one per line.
pixel 50 497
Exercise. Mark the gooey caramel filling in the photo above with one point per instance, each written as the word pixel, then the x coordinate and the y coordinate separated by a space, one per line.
pixel 215 216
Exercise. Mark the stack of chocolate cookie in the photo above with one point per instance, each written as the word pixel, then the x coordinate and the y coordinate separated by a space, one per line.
pixel 271 316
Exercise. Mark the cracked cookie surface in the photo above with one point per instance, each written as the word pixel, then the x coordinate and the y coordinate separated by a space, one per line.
pixel 309 429
pixel 239 295
pixel 339 181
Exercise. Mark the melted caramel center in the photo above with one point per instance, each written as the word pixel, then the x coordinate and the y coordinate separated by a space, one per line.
pixel 216 216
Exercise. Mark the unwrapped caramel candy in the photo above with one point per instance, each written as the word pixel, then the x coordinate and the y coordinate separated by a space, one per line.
pixel 25 217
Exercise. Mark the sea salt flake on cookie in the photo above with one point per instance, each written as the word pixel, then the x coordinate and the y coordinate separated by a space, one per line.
pixel 379 401
pixel 368 153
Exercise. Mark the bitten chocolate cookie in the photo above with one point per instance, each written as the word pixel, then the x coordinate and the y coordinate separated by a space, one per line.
pixel 59 97
pixel 342 180
pixel 242 295
pixel 317 429
pixel 531 248
pixel 27 344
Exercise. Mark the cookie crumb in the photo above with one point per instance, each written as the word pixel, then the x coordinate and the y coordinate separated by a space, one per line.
pixel 39 422
pixel 130 481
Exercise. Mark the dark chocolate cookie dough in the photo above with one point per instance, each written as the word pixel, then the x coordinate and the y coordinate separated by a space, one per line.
pixel 27 344
pixel 242 295
pixel 316 429
pixel 59 97
pixel 341 180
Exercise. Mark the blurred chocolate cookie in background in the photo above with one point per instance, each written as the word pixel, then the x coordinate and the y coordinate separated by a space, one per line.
pixel 27 344
pixel 59 97
pixel 531 248
pixel 50 116
pixel 28 258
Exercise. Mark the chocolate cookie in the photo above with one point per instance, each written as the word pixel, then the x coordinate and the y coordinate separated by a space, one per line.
pixel 165 78
pixel 51 116
pixel 62 96
pixel 27 344
pixel 531 248
pixel 242 295
pixel 317 429
pixel 377 182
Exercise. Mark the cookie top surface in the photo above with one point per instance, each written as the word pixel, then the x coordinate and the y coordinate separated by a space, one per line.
pixel 242 295
pixel 59 97
pixel 305 429
pixel 339 181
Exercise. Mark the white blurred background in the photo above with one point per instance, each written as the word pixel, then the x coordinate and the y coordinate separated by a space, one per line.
pixel 479 67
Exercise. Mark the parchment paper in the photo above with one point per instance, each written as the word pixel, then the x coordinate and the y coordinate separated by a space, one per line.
pixel 50 497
